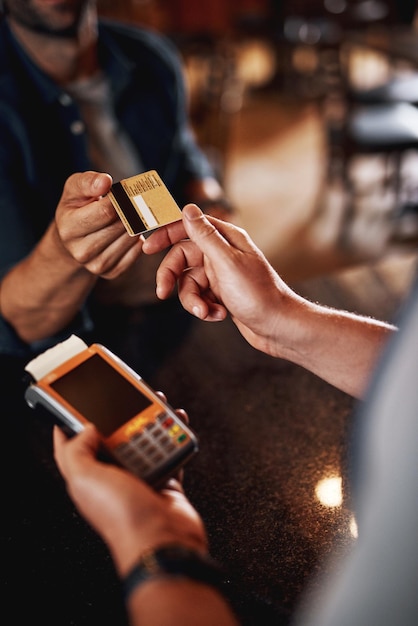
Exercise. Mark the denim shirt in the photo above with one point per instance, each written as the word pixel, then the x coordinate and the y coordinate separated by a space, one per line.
pixel 43 138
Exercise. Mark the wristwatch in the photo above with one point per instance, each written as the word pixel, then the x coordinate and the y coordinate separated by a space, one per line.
pixel 177 561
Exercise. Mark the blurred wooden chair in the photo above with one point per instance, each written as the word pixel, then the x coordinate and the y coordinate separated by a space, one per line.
pixel 388 131
pixel 377 125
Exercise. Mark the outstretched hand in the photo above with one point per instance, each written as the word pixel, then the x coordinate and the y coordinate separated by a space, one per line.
pixel 218 269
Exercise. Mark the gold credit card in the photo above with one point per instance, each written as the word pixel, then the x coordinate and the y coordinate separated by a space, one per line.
pixel 143 203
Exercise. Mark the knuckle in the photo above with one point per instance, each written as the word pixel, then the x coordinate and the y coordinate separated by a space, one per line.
pixel 98 266
pixel 107 210
pixel 82 255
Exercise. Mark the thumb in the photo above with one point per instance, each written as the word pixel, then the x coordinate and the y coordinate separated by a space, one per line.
pixel 202 232
pixel 82 446
pixel 80 187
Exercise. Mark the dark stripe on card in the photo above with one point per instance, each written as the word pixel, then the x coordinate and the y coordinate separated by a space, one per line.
pixel 128 208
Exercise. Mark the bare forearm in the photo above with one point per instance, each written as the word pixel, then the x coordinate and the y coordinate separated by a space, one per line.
pixel 42 294
pixel 178 601
pixel 339 347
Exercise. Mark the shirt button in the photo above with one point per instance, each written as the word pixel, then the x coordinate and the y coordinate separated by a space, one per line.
pixel 65 99
pixel 77 128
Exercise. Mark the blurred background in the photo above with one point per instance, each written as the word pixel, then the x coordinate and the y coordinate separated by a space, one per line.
pixel 308 111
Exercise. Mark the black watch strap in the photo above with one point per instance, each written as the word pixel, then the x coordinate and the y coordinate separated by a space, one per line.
pixel 173 561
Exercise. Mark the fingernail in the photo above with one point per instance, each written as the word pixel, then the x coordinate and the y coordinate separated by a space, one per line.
pixel 97 181
pixel 192 211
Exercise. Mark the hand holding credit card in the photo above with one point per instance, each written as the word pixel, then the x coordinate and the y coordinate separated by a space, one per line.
pixel 143 203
